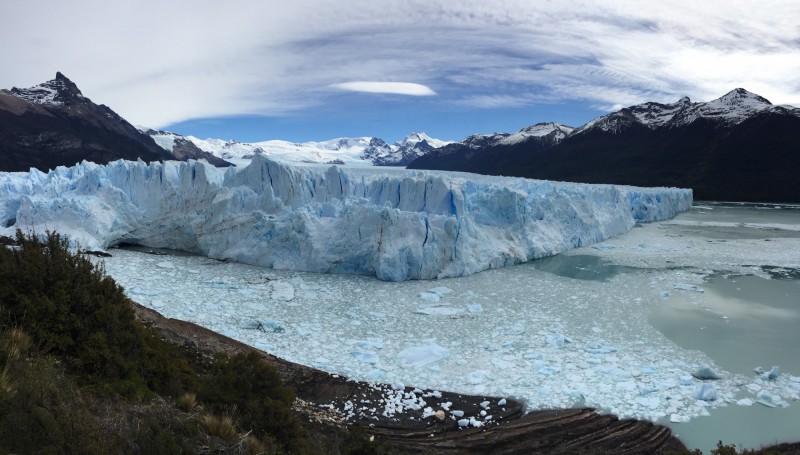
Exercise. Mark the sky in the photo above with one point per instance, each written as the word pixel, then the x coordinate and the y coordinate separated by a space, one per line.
pixel 302 70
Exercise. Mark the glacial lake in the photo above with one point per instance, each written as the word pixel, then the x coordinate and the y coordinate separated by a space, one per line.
pixel 619 325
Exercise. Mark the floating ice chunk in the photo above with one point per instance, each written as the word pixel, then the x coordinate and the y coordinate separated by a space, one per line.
pixel 440 290
pixel 502 402
pixel 649 370
pixel 251 325
pixel 475 308
pixel 665 294
pixel 772 374
pixel 368 343
pixel 421 355
pixel 545 370
pixel 557 339
pixel 665 384
pixel 646 389
pixel 365 356
pixel 613 371
pixel 501 364
pixel 649 402
pixel 282 290
pixel 599 347
pixel 485 404
pixel 626 386
pixel 688 287
pixel 270 325
pixel 706 392
pixel 429 296
pixel 457 413
pixel 477 377
pixel 706 372
pixel 375 375
pixel 165 265
pixel 677 418
pixel 745 402
pixel 463 423
pixel 439 311
pixel 771 400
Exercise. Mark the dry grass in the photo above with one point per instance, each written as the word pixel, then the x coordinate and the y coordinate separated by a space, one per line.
pixel 221 427
pixel 14 344
pixel 187 401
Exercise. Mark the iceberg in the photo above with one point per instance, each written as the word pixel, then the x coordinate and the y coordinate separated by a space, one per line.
pixel 395 225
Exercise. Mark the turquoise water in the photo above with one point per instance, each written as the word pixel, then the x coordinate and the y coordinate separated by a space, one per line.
pixel 744 322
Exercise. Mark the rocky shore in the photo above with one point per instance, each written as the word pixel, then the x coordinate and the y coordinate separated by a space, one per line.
pixel 325 400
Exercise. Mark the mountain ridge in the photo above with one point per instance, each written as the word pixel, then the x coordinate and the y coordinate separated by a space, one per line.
pixel 53 124
pixel 358 151
pixel 739 147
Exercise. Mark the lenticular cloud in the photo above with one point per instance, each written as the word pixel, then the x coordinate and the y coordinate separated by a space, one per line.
pixel 397 88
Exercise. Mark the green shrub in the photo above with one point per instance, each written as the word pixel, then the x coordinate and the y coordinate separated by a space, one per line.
pixel 70 344
pixel 262 402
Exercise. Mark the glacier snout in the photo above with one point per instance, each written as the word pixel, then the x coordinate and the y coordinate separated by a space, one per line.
pixel 396 225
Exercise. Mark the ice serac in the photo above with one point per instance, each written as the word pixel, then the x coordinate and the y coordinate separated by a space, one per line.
pixel 394 225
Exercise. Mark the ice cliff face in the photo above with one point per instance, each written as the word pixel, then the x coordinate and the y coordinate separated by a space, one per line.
pixel 394 225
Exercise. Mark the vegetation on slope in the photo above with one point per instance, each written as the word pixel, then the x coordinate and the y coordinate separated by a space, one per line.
pixel 79 373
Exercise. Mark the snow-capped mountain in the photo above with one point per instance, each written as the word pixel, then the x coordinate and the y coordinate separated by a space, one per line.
pixel 53 124
pixel 731 109
pixel 359 151
pixel 56 92
pixel 550 132
pixel 463 154
pixel 737 147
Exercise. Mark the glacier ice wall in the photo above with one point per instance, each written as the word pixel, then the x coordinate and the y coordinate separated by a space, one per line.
pixel 394 225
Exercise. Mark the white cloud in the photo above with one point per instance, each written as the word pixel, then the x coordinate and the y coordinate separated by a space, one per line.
pixel 162 62
pixel 397 88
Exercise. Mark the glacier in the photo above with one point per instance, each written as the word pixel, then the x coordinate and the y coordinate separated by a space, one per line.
pixel 394 224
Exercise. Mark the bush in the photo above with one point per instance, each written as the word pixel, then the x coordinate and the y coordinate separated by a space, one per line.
pixel 71 310
pixel 86 351
pixel 262 402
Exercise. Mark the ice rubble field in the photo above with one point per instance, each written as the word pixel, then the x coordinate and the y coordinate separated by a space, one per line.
pixel 517 332
pixel 393 225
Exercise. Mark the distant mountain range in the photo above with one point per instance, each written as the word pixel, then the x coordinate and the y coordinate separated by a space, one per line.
pixel 53 124
pixel 739 147
pixel 359 151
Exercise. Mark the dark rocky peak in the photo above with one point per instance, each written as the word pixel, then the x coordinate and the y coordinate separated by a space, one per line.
pixel 740 96
pixel 377 142
pixel 59 91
